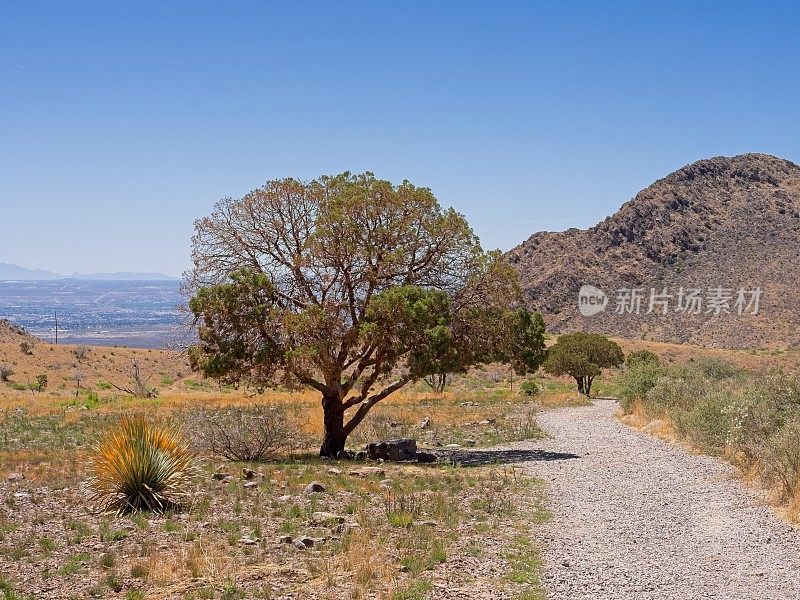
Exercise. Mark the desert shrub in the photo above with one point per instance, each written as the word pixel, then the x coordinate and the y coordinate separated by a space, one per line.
pixel 40 384
pixel 26 348
pixel 636 381
pixel 708 423
pixel 674 393
pixel 529 387
pixel 141 466
pixel 764 407
pixel 780 458
pixel 709 367
pixel 5 372
pixel 639 357
pixel 247 434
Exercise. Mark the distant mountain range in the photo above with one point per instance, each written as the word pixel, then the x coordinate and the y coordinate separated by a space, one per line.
pixel 10 272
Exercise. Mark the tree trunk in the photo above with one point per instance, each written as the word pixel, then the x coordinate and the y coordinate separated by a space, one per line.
pixel 335 436
pixel 588 385
pixel 579 381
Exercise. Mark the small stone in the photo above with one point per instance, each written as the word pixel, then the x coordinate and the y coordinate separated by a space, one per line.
pixel 248 473
pixel 344 455
pixel 453 446
pixel 246 541
pixel 250 485
pixel 368 472
pixel 314 487
pixel 303 543
pixel 485 422
pixel 334 471
pixel 361 455
pixel 326 518
pixel 220 476
pixel 387 483
pixel 469 442
pixel 285 539
pixel 425 423
pixel 15 477
pixel 565 563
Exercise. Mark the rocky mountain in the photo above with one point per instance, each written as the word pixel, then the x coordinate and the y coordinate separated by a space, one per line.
pixel 689 259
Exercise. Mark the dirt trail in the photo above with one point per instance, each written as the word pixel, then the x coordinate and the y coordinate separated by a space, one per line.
pixel 636 517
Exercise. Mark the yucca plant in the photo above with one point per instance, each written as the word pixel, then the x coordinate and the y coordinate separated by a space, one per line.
pixel 142 466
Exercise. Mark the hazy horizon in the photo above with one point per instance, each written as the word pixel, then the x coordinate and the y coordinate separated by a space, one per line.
pixel 124 124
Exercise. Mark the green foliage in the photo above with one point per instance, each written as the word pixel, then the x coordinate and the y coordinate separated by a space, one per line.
pixel 41 383
pixel 140 466
pixel 523 345
pixel 582 356
pixel 639 357
pixel 350 285
pixel 636 381
pixel 529 387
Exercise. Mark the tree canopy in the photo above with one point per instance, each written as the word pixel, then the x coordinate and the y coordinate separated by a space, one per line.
pixel 582 356
pixel 348 284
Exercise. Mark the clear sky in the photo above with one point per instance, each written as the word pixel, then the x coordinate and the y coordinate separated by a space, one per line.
pixel 120 123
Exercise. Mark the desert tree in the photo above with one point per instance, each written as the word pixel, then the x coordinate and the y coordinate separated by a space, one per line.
pixel 582 356
pixel 523 346
pixel 349 285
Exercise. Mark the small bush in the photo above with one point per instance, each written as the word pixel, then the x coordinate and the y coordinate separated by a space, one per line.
pixel 641 357
pixel 529 387
pixel 708 424
pixel 26 348
pixel 781 458
pixel 636 381
pixel 141 466
pixel 246 434
pixel 5 372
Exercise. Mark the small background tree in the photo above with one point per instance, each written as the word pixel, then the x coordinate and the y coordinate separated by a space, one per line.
pixel 583 356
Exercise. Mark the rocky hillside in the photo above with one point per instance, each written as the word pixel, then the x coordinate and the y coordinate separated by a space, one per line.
pixel 717 226
pixel 11 334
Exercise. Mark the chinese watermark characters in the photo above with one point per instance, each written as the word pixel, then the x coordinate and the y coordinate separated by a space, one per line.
pixel 714 301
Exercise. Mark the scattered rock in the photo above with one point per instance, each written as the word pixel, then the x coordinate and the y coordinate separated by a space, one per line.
pixel 251 484
pixel 361 455
pixel 426 457
pixel 314 487
pixel 248 474
pixel 453 446
pixel 246 541
pixel 304 543
pixel 334 471
pixel 487 422
pixel 15 478
pixel 220 476
pixel 344 455
pixel 393 450
pixel 326 518
pixel 425 423
pixel 285 539
pixel 368 472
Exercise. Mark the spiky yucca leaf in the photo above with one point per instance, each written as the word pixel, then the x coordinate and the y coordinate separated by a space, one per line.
pixel 142 466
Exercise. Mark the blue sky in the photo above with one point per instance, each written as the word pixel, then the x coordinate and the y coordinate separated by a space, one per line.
pixel 120 123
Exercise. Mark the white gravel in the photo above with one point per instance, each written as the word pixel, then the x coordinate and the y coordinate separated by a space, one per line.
pixel 636 517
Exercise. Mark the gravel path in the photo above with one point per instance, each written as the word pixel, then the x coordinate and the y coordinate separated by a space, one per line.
pixel 636 517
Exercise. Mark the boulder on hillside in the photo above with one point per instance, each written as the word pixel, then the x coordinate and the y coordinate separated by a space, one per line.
pixel 393 450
